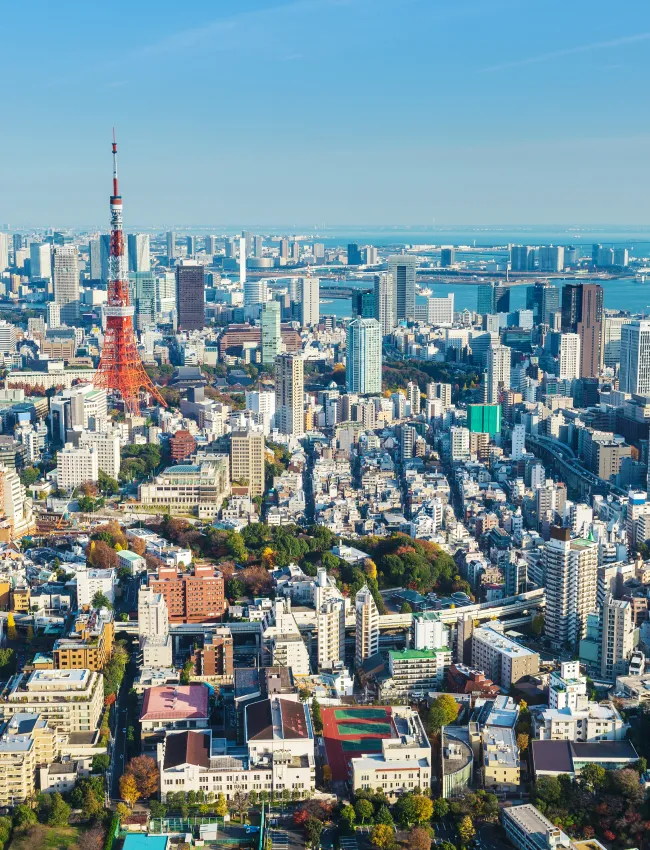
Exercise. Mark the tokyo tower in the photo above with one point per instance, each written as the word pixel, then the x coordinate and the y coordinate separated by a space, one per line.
pixel 120 368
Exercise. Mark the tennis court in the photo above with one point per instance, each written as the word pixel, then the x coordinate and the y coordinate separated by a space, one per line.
pixel 358 729
pixel 365 745
pixel 359 713
pixel 349 732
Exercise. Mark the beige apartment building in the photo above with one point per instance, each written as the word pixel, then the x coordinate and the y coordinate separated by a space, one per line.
pixel 69 700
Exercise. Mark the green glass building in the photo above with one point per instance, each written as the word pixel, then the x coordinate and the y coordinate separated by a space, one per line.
pixel 484 418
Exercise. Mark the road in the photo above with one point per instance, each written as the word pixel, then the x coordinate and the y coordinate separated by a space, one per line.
pixel 119 724
pixel 490 837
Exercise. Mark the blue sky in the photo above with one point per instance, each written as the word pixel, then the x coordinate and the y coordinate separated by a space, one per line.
pixel 327 111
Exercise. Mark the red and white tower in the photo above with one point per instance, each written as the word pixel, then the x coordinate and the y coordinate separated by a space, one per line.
pixel 120 368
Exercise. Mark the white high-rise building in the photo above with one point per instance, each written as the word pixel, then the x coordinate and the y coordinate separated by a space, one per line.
pixel 551 258
pixel 440 311
pixel 310 302
pixel 617 627
pixel 571 578
pixel 138 250
pixel 413 395
pixel 498 372
pixel 403 268
pixel 459 442
pixel 40 259
pixel 153 617
pixel 16 508
pixel 367 626
pixel 262 403
pixel 385 303
pixel 569 357
pixel 255 294
pixel 612 332
pixel 66 283
pixel 4 251
pixel 330 622
pixel 289 394
pixel 518 442
pixel 635 358
pixel 7 338
pixel 75 467
pixel 107 446
pixel 165 289
pixel 53 315
pixel 363 356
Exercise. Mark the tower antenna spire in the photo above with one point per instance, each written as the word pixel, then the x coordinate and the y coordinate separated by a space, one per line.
pixel 115 189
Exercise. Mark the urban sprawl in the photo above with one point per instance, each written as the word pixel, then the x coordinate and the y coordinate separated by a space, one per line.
pixel 270 577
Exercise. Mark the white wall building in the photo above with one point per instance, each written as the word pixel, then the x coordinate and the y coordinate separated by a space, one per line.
pixel 569 357
pixel 107 446
pixel 92 581
pixel 76 466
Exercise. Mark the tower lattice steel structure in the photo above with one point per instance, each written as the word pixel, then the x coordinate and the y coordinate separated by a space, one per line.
pixel 120 367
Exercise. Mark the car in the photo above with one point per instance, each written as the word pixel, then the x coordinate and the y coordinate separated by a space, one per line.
pixel 250 829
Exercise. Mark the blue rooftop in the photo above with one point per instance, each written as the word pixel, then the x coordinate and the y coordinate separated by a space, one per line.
pixel 134 841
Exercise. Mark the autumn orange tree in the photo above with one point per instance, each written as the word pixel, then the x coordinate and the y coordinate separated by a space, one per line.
pixel 128 789
pixel 145 774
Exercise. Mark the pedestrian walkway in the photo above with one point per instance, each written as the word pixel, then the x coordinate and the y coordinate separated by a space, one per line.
pixel 280 840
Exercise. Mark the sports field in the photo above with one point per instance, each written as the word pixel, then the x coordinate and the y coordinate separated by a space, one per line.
pixel 352 732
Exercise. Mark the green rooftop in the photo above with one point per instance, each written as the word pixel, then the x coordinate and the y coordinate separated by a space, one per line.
pixel 409 654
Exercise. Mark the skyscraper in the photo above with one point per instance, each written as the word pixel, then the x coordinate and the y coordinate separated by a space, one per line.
pixel 254 297
pixel 571 307
pixel 138 247
pixel 385 303
pixel 144 292
pixel 354 255
pixel 571 578
pixel 367 626
pixel 271 332
pixel 247 236
pixel 569 357
pixel 498 372
pixel 551 258
pixel 247 460
pixel 190 246
pixel 66 282
pixel 612 330
pixel 522 258
pixel 289 394
pixel 590 330
pixel 165 292
pixel 210 245
pixel 485 299
pixel 95 259
pixel 104 254
pixel 492 299
pixel 635 358
pixel 310 302
pixel 617 632
pixel 363 304
pixel 284 249
pixel 190 297
pixel 171 245
pixel 40 257
pixel 404 270
pixel 543 299
pixel 4 251
pixel 447 257
pixel 363 356
pixel 258 246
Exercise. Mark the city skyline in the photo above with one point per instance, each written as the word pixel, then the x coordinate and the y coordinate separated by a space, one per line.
pixel 290 112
